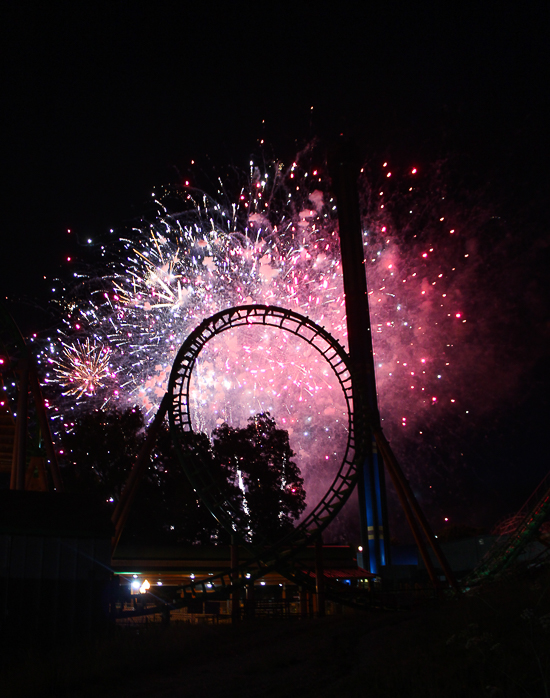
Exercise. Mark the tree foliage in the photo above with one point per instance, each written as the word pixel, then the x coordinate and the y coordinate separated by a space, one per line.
pixel 257 459
pixel 99 452
pixel 252 468
pixel 100 449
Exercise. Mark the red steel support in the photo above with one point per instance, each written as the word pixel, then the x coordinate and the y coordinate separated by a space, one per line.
pixel 403 486
pixel 344 173
pixel 19 462
pixel 122 509
pixel 45 428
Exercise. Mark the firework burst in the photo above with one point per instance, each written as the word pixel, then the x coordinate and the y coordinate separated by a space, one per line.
pixel 83 368
pixel 276 242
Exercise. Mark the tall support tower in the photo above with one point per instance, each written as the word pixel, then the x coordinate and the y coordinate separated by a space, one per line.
pixel 344 171
pixel 29 430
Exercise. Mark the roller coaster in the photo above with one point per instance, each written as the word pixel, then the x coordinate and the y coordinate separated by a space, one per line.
pixel 360 463
pixel 263 556
pixel 27 453
pixel 266 555
pixel 28 433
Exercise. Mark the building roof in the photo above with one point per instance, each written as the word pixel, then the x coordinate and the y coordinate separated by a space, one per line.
pixel 179 564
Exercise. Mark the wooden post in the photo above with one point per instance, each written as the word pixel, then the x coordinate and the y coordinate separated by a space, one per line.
pixel 303 602
pixel 235 595
pixel 250 600
pixel 319 577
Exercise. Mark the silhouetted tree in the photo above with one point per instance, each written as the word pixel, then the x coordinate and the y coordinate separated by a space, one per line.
pixel 258 460
pixel 251 468
pixel 99 452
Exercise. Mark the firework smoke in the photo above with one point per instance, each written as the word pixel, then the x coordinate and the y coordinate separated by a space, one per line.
pixel 277 243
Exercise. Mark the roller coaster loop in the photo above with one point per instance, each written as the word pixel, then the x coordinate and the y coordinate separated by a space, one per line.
pixel 270 555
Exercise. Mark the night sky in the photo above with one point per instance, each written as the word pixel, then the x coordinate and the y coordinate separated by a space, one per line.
pixel 102 102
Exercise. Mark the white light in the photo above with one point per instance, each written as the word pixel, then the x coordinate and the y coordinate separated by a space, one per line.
pixel 135 585
pixel 262 583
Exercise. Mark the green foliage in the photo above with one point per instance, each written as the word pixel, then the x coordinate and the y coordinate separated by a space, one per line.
pixel 256 459
pixel 167 508
pixel 103 445
pixel 100 449
pixel 99 453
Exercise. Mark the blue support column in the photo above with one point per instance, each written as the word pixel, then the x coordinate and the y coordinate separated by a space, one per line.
pixel 371 502
pixel 380 497
pixel 344 171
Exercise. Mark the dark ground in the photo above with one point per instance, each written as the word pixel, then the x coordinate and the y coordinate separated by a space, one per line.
pixel 492 643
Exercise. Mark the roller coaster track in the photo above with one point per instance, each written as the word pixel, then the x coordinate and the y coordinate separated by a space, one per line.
pixel 280 556
pixel 269 556
pixel 531 516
